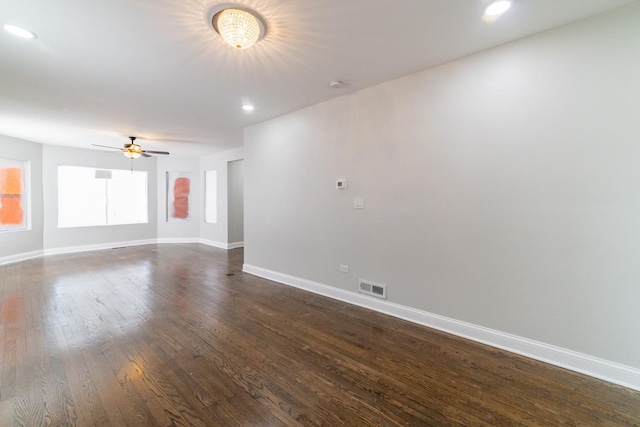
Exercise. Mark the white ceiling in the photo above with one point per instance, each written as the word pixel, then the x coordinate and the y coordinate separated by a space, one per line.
pixel 101 70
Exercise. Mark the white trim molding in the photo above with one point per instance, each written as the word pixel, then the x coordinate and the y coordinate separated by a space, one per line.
pixel 86 248
pixel 178 240
pixel 595 367
pixel 20 257
pixel 221 245
pixel 98 247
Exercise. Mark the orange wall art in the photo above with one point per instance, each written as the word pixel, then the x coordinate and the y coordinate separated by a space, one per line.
pixel 12 199
pixel 178 196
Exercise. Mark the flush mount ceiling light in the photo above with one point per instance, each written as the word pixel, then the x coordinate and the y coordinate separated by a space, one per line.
pixel 497 8
pixel 240 28
pixel 19 31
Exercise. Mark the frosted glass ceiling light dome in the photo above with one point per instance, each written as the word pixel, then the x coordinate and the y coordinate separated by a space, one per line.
pixel 132 151
pixel 131 154
pixel 240 28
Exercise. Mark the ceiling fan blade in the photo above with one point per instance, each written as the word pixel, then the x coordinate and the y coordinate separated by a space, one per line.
pixel 155 152
pixel 145 155
pixel 106 146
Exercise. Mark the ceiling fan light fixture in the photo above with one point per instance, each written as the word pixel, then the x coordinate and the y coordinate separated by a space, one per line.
pixel 131 154
pixel 132 150
pixel 239 28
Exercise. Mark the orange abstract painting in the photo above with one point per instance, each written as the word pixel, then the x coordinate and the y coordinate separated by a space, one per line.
pixel 11 211
pixel 181 198
pixel 178 196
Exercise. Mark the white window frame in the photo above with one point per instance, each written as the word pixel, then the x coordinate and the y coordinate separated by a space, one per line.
pixel 211 196
pixel 103 203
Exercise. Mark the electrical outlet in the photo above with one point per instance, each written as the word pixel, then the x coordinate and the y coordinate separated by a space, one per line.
pixel 344 268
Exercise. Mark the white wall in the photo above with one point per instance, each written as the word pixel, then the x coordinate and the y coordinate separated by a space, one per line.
pixel 58 238
pixel 235 195
pixel 218 234
pixel 500 190
pixel 182 230
pixel 24 241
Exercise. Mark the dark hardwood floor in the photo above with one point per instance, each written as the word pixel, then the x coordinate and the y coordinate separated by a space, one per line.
pixel 165 335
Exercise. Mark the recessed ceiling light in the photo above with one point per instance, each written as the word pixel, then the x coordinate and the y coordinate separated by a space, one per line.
pixel 497 7
pixel 19 31
pixel 247 107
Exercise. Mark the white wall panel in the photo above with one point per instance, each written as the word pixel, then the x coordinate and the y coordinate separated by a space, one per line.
pixel 499 190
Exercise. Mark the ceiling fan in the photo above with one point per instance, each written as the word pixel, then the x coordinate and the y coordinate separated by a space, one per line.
pixel 133 150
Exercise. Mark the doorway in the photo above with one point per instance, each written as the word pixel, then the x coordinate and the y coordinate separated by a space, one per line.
pixel 235 194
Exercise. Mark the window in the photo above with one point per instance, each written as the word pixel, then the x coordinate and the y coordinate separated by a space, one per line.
pixel 88 197
pixel 211 196
pixel 14 198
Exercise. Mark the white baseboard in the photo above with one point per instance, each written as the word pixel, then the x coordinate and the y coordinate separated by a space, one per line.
pixel 178 240
pixel 98 247
pixel 20 257
pixel 599 368
pixel 235 245
pixel 221 245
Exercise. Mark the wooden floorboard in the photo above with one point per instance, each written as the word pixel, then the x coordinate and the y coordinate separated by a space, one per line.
pixel 177 335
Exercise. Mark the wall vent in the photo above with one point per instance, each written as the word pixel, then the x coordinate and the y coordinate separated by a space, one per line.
pixel 373 289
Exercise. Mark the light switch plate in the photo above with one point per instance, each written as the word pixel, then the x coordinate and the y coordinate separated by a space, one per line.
pixel 358 202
